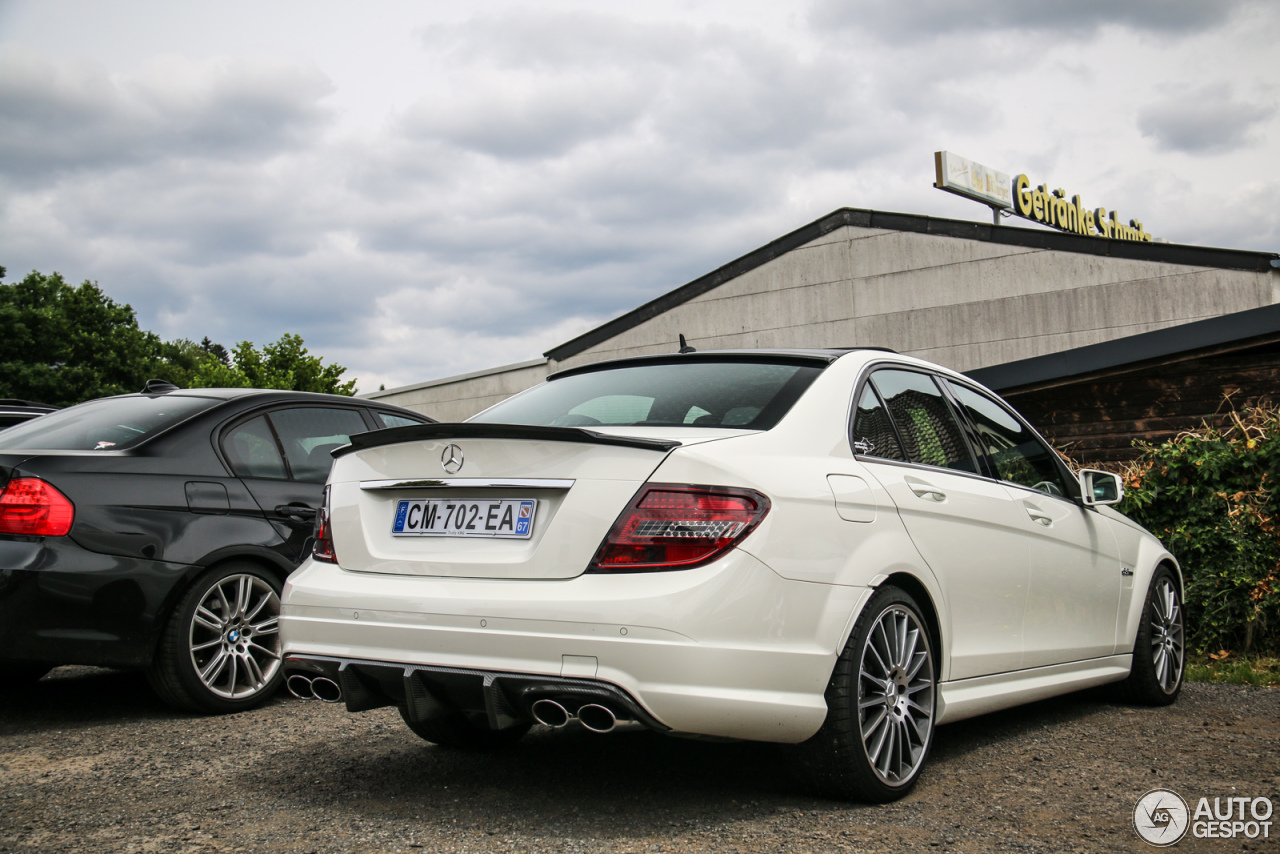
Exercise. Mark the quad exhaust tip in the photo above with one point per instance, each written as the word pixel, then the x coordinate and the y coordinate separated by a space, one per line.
pixel 314 688
pixel 597 718
pixel 550 713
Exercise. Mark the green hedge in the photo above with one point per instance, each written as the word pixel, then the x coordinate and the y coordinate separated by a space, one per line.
pixel 1211 496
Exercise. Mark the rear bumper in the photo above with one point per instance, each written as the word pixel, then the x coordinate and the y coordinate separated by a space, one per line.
pixel 730 649
pixel 63 604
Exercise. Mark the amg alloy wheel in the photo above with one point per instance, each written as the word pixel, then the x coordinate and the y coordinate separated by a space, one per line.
pixel 1159 651
pixel 880 702
pixel 221 649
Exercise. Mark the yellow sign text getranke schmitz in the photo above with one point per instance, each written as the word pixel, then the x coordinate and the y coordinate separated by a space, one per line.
pixel 1054 210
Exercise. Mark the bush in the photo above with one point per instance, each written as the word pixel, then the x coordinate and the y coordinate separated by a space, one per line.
pixel 1211 496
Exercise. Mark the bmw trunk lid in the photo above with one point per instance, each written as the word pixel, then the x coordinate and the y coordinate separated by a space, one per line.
pixel 449 499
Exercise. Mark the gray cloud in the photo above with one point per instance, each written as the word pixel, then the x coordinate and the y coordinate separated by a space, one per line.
pixel 910 22
pixel 1203 120
pixel 62 116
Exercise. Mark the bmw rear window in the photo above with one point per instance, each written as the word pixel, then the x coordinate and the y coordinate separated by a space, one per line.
pixel 110 424
pixel 740 394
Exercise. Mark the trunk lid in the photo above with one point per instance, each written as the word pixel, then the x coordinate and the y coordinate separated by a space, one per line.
pixel 580 480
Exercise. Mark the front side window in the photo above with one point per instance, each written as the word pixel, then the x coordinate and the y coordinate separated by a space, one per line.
pixel 1017 453
pixel 749 395
pixel 929 430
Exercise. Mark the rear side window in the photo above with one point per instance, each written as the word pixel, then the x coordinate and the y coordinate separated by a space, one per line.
pixel 386 419
pixel 739 394
pixel 109 424
pixel 310 433
pixel 929 430
pixel 252 450
pixel 873 433
pixel 291 443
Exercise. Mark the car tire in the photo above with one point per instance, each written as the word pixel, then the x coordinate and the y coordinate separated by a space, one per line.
pixel 220 649
pixel 1159 651
pixel 460 732
pixel 881 704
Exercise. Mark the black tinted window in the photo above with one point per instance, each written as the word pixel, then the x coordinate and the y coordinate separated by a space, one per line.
pixel 1017 454
pixel 251 447
pixel 748 395
pixel 310 433
pixel 924 419
pixel 386 419
pixel 873 434
pixel 110 424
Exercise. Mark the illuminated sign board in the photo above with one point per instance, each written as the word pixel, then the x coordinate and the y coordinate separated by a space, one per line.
pixel 971 179
pixel 980 183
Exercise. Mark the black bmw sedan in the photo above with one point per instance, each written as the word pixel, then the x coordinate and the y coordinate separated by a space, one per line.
pixel 155 531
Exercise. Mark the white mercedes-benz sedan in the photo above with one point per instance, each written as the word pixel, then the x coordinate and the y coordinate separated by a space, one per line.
pixel 834 549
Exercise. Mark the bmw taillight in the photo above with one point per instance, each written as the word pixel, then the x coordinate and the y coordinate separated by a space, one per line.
pixel 322 549
pixel 32 507
pixel 676 526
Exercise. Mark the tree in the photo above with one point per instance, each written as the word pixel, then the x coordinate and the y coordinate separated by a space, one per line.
pixel 285 364
pixel 61 344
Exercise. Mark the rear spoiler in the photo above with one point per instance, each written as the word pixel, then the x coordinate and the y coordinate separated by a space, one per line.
pixel 467 430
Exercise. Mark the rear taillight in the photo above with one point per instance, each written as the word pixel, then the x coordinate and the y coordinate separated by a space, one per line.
pixel 34 508
pixel 322 549
pixel 672 526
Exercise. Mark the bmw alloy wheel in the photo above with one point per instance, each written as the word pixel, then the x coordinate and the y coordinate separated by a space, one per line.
pixel 234 637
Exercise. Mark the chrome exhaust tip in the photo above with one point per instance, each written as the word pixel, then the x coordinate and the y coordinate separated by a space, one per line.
pixel 299 686
pixel 326 690
pixel 597 718
pixel 550 713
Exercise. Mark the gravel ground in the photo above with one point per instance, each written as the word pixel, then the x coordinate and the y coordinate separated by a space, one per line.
pixel 91 762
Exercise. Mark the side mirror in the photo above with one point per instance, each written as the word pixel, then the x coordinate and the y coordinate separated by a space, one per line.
pixel 1100 487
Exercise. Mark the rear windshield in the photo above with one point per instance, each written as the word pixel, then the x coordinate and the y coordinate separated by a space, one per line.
pixel 743 395
pixel 110 424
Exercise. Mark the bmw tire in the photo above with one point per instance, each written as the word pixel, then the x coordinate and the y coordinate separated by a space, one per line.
pixel 220 650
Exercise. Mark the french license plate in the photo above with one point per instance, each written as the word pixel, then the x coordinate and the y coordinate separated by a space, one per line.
pixel 452 517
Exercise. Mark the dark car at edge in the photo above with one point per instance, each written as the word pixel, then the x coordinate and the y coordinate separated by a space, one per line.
pixel 154 531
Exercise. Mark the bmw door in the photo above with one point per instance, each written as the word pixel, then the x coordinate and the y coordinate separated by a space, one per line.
pixel 283 458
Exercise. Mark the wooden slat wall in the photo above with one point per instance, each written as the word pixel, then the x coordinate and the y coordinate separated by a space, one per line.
pixel 1097 418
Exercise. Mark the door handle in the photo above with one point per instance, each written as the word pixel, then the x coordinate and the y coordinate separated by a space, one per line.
pixel 1040 518
pixel 297 512
pixel 929 493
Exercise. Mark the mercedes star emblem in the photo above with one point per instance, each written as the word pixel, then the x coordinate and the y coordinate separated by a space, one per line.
pixel 451 459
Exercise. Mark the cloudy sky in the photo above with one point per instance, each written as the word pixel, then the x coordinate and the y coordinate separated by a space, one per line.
pixel 422 188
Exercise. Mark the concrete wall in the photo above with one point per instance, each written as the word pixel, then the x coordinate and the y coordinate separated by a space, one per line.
pixel 962 303
pixel 458 398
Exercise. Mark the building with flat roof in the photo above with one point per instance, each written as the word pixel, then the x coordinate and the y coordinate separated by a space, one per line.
pixel 986 299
